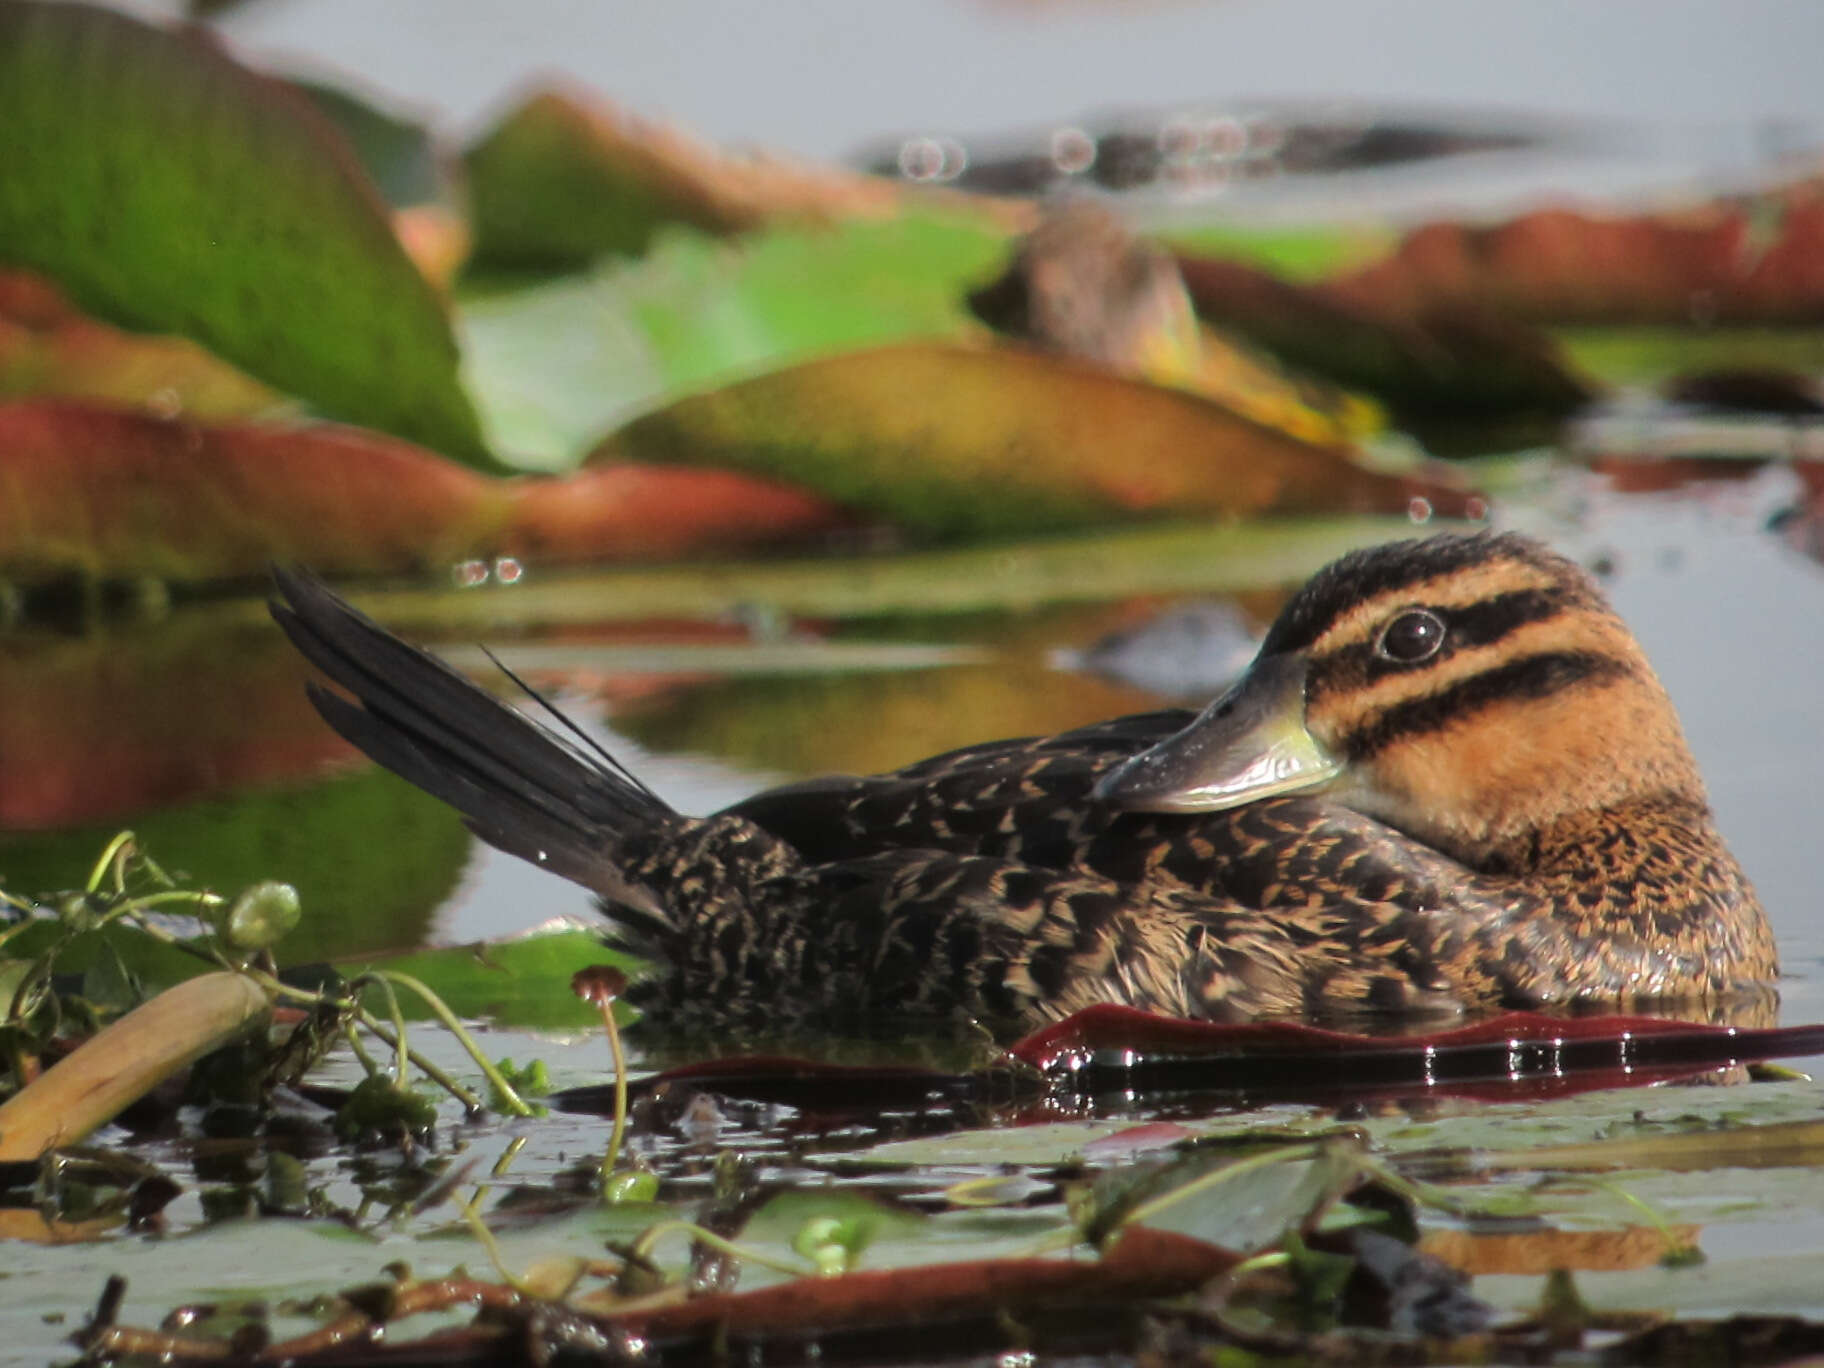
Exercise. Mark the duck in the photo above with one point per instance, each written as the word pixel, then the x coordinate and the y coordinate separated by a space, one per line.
pixel 1449 782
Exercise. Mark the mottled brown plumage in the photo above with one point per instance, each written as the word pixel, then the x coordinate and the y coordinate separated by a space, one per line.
pixel 1450 780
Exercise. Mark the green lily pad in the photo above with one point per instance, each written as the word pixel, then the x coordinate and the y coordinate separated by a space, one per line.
pixel 523 981
pixel 554 363
pixel 169 188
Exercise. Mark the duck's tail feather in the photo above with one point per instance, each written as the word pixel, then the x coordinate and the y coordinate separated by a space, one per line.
pixel 520 786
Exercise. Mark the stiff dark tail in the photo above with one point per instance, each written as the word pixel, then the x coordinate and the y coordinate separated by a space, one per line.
pixel 521 787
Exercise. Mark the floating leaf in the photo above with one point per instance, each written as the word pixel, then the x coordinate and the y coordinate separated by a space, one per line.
pixel 565 178
pixel 630 511
pixel 1438 359
pixel 222 502
pixel 1539 1251
pixel 420 178
pixel 1141 1263
pixel 1561 266
pixel 219 502
pixel 169 188
pixel 1516 1053
pixel 49 349
pixel 954 441
pixel 556 363
pixel 514 981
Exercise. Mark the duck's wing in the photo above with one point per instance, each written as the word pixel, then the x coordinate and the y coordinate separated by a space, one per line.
pixel 1025 799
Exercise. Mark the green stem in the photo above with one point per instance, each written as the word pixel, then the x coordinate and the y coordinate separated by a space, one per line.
pixel 514 1104
pixel 369 1065
pixel 430 1070
pixel 182 895
pixel 613 1154
pixel 113 848
pixel 642 1247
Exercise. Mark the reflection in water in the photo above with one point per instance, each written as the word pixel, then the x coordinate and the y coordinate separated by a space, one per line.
pixel 198 736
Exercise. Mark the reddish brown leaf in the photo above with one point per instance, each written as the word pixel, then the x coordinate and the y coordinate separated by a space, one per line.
pixel 635 512
pixel 1656 474
pixel 1144 1263
pixel 1787 284
pixel 1562 266
pixel 1538 1252
pixel 117 493
pixel 110 492
pixel 1420 357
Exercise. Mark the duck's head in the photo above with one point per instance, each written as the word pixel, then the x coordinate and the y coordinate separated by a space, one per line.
pixel 1472 691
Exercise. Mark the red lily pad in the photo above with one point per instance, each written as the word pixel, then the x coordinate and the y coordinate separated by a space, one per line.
pixel 114 493
pixel 1564 266
pixel 1423 358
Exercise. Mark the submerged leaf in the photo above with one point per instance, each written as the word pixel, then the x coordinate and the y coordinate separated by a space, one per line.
pixel 169 188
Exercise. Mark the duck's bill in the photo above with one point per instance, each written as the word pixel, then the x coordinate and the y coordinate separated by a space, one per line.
pixel 1251 743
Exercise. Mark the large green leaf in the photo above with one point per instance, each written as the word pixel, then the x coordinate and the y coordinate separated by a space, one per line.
pixel 168 188
pixel 953 441
pixel 556 363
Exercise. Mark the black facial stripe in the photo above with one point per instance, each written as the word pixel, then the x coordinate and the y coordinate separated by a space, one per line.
pixel 1477 624
pixel 1531 677
pixel 1363 575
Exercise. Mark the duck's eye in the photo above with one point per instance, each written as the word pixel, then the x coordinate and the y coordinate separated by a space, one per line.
pixel 1412 637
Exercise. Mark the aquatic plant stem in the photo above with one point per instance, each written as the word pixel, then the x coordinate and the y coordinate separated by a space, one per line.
pixel 618 1055
pixel 642 1247
pixel 512 1102
pixel 109 853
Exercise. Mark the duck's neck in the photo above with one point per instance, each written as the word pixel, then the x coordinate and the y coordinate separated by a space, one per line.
pixel 1614 842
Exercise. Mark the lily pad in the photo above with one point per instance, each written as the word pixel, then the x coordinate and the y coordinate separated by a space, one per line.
pixel 50 350
pixel 566 177
pixel 1454 358
pixel 954 441
pixel 169 188
pixel 1718 261
pixel 555 363
pixel 222 502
